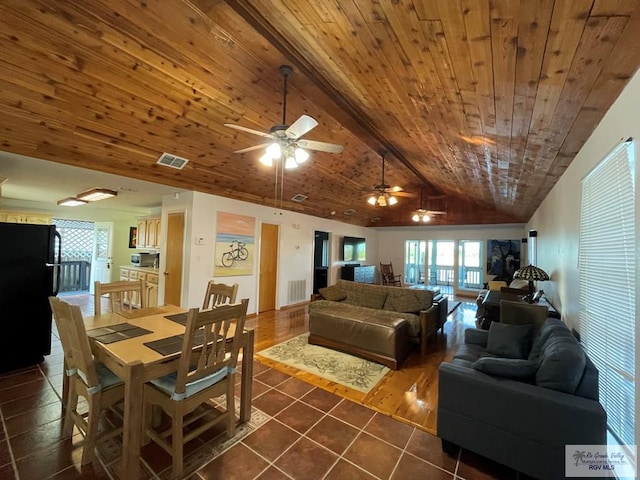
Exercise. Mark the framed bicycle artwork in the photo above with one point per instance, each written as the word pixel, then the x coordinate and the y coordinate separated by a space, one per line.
pixel 234 248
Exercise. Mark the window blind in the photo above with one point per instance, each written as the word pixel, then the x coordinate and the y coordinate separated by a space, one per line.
pixel 607 261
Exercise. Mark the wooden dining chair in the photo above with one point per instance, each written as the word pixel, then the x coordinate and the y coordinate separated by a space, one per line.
pixel 219 294
pixel 86 378
pixel 123 295
pixel 204 372
pixel 388 277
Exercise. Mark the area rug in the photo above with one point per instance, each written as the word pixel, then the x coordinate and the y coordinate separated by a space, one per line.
pixel 453 306
pixel 342 368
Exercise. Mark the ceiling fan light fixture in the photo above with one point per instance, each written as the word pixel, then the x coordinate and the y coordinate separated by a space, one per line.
pixel 421 215
pixel 267 160
pixel 290 163
pixel 301 155
pixel 372 200
pixel 393 200
pixel 274 151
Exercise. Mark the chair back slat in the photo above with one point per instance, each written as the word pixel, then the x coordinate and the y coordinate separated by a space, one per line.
pixel 123 295
pixel 219 294
pixel 218 331
pixel 74 339
pixel 388 277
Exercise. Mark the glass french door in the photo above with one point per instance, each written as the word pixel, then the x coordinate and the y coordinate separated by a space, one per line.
pixel 414 263
pixel 470 264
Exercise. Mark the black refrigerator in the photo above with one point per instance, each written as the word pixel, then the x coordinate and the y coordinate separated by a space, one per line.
pixel 29 274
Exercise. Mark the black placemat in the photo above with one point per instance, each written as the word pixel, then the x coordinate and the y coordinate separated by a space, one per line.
pixel 171 345
pixel 115 333
pixel 180 318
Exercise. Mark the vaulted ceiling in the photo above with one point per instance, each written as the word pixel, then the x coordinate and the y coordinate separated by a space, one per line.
pixel 484 102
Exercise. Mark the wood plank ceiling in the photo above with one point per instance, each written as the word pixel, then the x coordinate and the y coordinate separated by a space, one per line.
pixel 484 102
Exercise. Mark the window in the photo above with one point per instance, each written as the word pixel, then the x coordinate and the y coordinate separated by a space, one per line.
pixel 607 261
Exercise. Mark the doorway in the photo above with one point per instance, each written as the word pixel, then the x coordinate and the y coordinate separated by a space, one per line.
pixel 320 260
pixel 102 253
pixel 268 267
pixel 174 259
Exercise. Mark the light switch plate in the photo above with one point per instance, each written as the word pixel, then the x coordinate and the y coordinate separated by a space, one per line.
pixel 199 240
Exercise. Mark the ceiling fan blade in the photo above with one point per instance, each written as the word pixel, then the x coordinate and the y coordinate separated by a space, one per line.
pixel 320 146
pixel 436 212
pixel 301 126
pixel 248 130
pixel 250 149
pixel 404 194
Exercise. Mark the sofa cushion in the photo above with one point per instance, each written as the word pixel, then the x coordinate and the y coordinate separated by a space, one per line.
pixel 370 299
pixel 551 326
pixel 513 368
pixel 471 352
pixel 562 363
pixel 333 293
pixel 407 303
pixel 509 341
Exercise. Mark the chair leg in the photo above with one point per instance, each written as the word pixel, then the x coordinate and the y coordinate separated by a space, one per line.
pixel 177 441
pixel 231 407
pixel 93 420
pixel 71 406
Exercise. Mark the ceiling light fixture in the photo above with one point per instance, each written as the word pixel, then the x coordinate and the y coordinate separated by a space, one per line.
pixel 421 215
pixel 71 202
pixel 96 194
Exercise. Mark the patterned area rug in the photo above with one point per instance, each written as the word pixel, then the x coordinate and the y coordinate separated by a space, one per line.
pixel 353 372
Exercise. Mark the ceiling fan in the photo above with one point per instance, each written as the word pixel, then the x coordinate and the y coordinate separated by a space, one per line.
pixel 385 195
pixel 285 141
pixel 422 215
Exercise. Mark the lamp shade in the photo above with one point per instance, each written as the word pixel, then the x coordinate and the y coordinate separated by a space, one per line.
pixel 531 272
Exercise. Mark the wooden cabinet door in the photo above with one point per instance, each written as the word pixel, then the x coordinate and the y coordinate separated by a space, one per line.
pixel 141 237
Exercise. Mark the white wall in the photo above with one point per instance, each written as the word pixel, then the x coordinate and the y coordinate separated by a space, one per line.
pixel 392 240
pixel 557 220
pixel 295 258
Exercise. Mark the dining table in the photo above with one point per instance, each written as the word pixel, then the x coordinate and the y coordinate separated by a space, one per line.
pixel 122 342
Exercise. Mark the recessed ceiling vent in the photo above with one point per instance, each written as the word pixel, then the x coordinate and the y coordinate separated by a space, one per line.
pixel 349 212
pixel 172 161
pixel 299 198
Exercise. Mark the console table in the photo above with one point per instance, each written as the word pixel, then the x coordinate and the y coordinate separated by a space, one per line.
pixel 491 304
pixel 361 274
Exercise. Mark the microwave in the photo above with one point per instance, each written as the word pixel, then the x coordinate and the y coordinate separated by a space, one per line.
pixel 145 259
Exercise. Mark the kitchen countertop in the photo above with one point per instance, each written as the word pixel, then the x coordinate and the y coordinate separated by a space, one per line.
pixel 141 269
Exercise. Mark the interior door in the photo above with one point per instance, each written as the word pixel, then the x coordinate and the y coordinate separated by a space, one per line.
pixel 174 260
pixel 101 263
pixel 268 267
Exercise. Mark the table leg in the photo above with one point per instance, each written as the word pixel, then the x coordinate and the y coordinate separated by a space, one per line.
pixel 132 427
pixel 247 377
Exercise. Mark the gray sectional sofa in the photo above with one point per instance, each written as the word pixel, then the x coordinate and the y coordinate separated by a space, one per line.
pixel 518 397
pixel 374 321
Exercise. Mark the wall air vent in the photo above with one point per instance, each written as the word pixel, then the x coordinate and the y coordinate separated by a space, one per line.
pixel 172 161
pixel 349 212
pixel 299 198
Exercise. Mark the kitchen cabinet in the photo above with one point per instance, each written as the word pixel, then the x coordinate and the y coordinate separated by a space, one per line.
pixel 150 276
pixel 25 217
pixel 148 235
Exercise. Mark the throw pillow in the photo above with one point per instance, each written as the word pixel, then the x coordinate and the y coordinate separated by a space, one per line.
pixel 513 368
pixel 509 341
pixel 406 303
pixel 333 293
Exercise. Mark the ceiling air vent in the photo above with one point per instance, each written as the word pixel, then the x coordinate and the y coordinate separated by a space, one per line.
pixel 299 198
pixel 172 161
pixel 349 212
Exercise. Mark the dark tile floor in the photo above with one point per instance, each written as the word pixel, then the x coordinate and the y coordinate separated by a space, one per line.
pixel 297 431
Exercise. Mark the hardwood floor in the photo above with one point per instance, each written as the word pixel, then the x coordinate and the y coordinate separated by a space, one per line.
pixel 293 421
pixel 409 394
